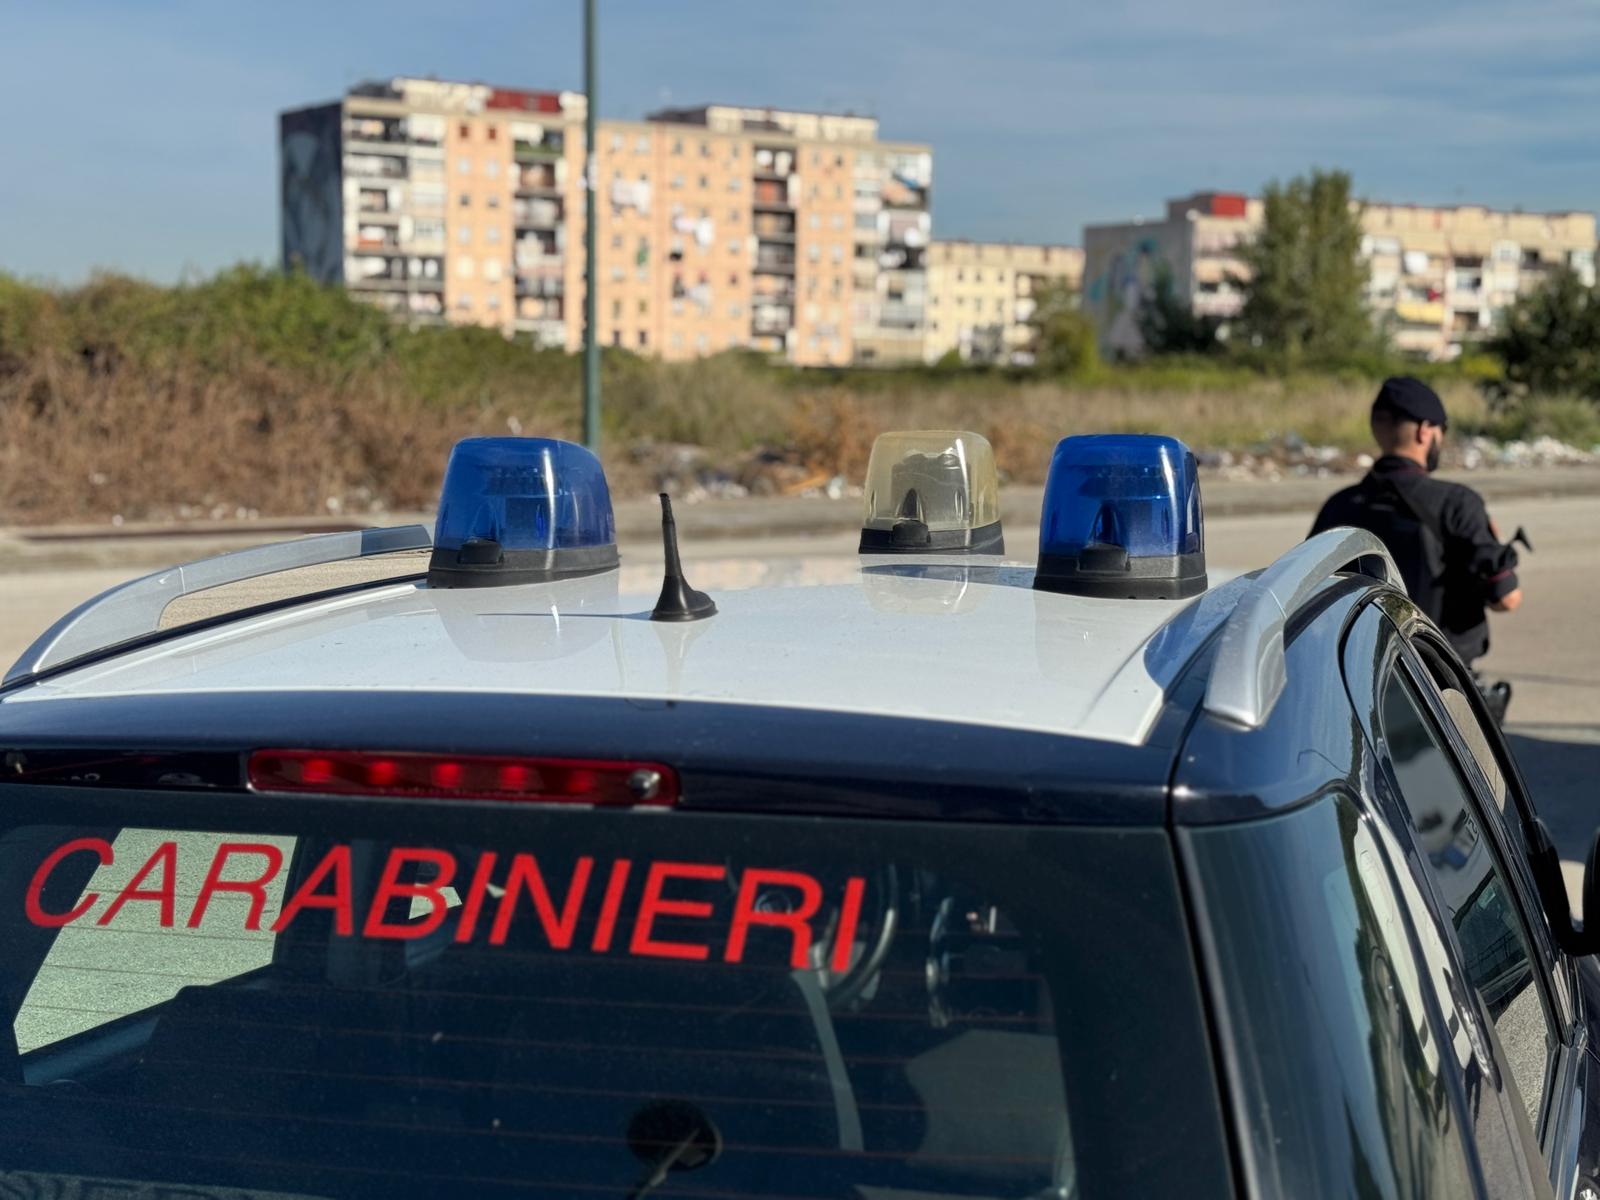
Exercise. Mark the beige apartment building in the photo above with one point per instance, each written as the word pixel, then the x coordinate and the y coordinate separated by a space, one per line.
pixel 792 233
pixel 981 296
pixel 1438 276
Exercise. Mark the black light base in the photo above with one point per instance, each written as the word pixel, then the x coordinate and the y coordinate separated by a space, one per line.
pixel 913 537
pixel 482 563
pixel 1108 573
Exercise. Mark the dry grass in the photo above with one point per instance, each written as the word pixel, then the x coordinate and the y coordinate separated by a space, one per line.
pixel 81 442
pixel 1024 421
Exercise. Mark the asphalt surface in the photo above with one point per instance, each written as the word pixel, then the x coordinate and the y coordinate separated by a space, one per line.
pixel 1549 650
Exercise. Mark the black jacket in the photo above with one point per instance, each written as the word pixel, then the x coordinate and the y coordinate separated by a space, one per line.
pixel 1440 536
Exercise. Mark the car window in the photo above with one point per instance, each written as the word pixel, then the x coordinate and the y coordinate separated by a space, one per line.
pixel 381 1000
pixel 1342 1076
pixel 1475 895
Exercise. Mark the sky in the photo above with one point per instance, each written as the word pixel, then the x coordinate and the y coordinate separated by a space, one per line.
pixel 140 135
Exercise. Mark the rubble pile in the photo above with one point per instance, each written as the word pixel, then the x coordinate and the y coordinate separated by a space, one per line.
pixel 1293 455
pixel 692 475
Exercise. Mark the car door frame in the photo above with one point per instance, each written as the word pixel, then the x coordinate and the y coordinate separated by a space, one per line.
pixel 1561 1115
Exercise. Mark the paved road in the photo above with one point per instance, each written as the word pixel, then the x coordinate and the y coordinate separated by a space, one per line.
pixel 1550 650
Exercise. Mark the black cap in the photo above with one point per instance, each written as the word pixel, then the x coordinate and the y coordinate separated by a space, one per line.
pixel 1411 398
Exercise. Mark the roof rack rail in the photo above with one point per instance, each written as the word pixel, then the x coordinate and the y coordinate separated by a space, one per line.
pixel 133 609
pixel 1249 673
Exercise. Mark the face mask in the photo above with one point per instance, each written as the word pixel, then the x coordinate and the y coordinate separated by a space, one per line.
pixel 1433 453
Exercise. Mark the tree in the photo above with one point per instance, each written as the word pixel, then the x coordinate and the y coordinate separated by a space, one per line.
pixel 1169 325
pixel 1303 300
pixel 1063 334
pixel 1549 340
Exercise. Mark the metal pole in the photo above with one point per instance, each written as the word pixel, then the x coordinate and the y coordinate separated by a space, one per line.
pixel 591 182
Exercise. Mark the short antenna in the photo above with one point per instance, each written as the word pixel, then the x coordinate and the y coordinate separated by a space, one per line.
pixel 679 601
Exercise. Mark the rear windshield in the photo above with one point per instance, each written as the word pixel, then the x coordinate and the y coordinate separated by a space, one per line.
pixel 337 998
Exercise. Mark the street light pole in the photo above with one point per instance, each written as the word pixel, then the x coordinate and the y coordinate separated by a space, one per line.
pixel 591 182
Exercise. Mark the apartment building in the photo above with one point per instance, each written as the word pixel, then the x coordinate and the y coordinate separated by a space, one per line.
pixel 1438 276
pixel 981 296
pixel 717 227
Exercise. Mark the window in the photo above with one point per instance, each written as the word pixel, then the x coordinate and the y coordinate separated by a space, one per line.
pixel 464 267
pixel 492 169
pixel 616 337
pixel 644 307
pixel 492 269
pixel 1305 920
pixel 492 133
pixel 464 200
pixel 387 1023
pixel 464 235
pixel 677 145
pixel 1475 896
pixel 644 338
pixel 465 131
pixel 492 200
pixel 616 310
pixel 705 149
pixel 616 241
pixel 492 234
pixel 641 144
pixel 704 183
pixel 616 143
pixel 463 166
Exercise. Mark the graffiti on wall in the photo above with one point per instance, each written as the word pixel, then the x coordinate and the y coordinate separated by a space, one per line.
pixel 312 202
pixel 1118 293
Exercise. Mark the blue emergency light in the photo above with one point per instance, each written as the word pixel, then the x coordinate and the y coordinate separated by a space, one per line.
pixel 521 510
pixel 1122 519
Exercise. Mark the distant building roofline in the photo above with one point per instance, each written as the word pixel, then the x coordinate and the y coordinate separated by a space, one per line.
pixel 695 114
pixel 1007 242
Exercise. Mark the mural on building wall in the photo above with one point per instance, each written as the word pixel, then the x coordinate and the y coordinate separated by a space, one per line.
pixel 313 209
pixel 1117 294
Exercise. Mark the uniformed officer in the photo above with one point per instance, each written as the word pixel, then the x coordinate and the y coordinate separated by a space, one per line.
pixel 1439 533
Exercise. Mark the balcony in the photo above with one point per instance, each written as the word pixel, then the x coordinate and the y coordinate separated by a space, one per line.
pixel 539 178
pixel 377 238
pixel 546 286
pixel 382 132
pixel 898 314
pixel 374 166
pixel 548 150
pixel 775 227
pixel 774 261
pixel 771 196
pixel 536 214
pixel 773 290
pixel 771 321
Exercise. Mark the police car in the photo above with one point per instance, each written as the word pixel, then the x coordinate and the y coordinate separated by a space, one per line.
pixel 953 878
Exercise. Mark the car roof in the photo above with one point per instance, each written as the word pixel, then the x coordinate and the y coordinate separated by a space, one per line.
pixel 963 641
